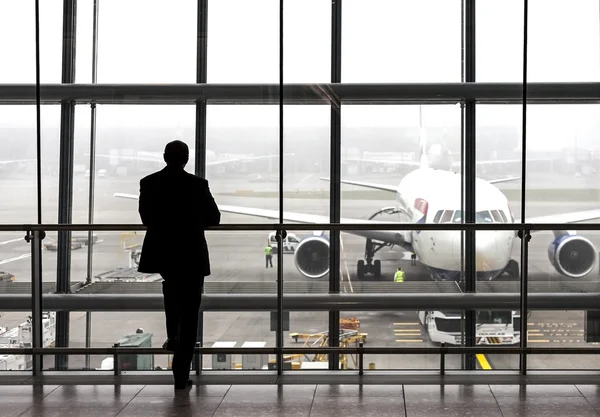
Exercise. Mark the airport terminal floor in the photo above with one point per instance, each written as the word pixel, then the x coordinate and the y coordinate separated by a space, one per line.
pixel 64 397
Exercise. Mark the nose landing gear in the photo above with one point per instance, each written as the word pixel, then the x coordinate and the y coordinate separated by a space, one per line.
pixel 368 265
pixel 371 266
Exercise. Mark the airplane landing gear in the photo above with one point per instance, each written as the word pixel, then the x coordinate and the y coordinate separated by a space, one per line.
pixel 371 266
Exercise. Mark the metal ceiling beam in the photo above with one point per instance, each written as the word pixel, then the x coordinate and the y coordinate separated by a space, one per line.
pixel 432 93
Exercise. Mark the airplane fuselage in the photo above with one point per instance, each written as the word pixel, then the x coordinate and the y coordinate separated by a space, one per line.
pixel 434 196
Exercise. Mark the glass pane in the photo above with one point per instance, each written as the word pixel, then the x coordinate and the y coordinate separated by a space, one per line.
pixel 143 41
pixel 401 41
pixel 130 145
pixel 307 48
pixel 242 157
pixel 243 41
pixel 17 29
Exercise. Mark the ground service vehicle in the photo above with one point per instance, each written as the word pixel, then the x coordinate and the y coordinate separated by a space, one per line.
pixel 290 243
pixel 494 327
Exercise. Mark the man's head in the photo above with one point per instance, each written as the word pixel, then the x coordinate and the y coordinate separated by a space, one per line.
pixel 176 154
pixel 399 269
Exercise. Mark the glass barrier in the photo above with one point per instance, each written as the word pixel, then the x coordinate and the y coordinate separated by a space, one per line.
pixel 563 262
pixel 237 269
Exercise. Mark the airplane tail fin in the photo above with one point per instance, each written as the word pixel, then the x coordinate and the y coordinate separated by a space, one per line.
pixel 423 159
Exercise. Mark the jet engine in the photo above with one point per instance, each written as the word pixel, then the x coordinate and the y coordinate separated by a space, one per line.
pixel 571 255
pixel 312 256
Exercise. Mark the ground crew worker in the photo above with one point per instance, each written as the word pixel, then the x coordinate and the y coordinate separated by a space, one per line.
pixel 268 256
pixel 399 275
pixel 413 259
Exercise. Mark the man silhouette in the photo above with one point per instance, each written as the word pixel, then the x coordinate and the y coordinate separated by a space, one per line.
pixel 176 207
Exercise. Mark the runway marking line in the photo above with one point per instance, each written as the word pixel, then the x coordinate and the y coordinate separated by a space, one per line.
pixel 483 362
pixel 535 334
pixel 407 331
pixel 20 239
pixel 538 341
pixel 409 340
pixel 407 334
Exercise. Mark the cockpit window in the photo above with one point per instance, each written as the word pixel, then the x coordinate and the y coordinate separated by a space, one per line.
pixel 503 216
pixel 447 216
pixel 480 217
pixel 437 217
pixel 496 216
pixel 483 217
pixel 457 216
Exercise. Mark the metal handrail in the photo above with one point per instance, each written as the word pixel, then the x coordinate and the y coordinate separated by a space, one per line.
pixel 450 350
pixel 311 302
pixel 344 227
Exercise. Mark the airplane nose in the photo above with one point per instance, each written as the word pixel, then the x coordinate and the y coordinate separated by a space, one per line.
pixel 486 249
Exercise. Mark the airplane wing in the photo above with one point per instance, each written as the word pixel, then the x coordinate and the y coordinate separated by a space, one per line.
pixel 574 217
pixel 16 161
pixel 384 161
pixel 131 158
pixel 500 180
pixel 381 187
pixel 397 237
pixel 247 158
pixel 128 196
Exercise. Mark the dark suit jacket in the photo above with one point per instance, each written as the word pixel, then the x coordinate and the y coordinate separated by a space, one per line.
pixel 176 207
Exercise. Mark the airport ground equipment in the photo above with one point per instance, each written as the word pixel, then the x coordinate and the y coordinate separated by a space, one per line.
pixel 494 327
pixel 222 361
pixel 290 242
pixel 132 243
pixel 21 337
pixel 6 276
pixel 136 362
pixel 321 339
pixel 126 275
pixel 252 360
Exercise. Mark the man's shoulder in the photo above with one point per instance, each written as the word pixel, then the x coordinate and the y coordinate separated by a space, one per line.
pixel 196 179
pixel 151 178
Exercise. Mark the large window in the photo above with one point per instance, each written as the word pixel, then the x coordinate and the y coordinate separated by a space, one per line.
pixel 405 124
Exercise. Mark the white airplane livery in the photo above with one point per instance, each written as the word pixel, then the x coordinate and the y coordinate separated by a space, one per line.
pixel 428 195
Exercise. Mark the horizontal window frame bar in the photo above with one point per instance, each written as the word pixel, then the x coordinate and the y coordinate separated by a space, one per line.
pixel 446 350
pixel 323 94
pixel 343 227
pixel 310 302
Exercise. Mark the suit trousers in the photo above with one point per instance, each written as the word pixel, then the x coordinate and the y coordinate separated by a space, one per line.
pixel 182 298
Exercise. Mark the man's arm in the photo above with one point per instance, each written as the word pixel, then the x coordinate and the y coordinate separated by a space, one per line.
pixel 212 215
pixel 146 207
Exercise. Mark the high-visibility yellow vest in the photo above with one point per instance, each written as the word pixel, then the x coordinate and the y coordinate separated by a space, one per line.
pixel 268 251
pixel 399 276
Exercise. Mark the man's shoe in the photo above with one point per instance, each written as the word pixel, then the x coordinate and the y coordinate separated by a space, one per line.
pixel 183 385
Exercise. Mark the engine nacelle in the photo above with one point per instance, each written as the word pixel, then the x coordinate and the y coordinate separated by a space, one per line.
pixel 312 256
pixel 573 256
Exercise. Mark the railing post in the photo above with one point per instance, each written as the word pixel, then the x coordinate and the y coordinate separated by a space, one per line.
pixel 525 236
pixel 35 239
pixel 443 359
pixel 361 358
pixel 116 361
pixel 197 361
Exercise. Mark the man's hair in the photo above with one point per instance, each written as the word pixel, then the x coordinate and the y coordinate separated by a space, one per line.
pixel 176 153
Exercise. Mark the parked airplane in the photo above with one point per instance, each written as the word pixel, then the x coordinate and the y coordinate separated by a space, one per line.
pixel 428 195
